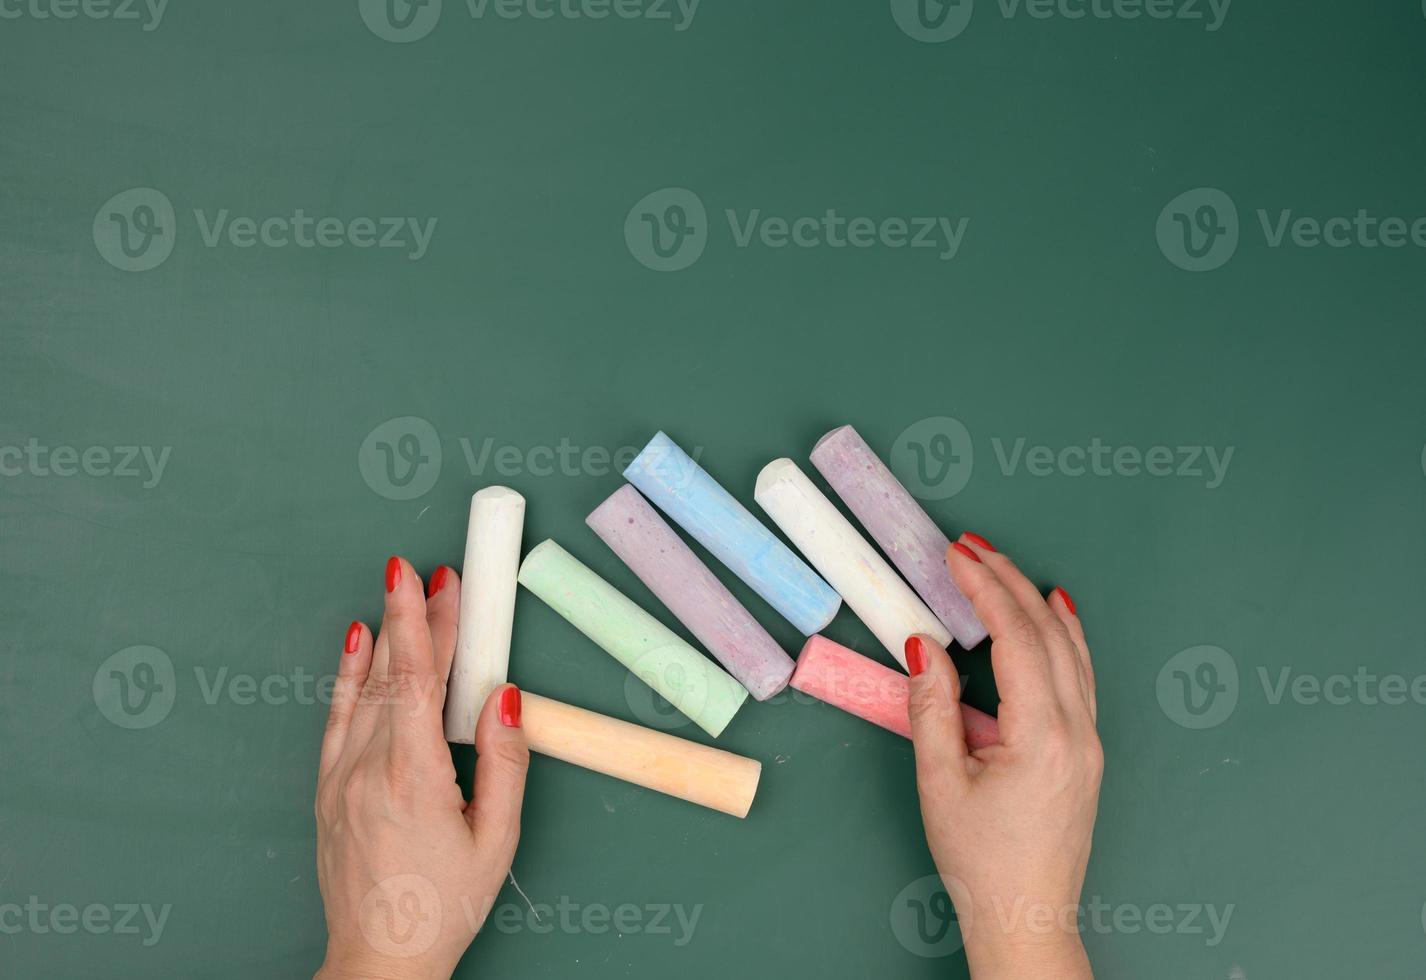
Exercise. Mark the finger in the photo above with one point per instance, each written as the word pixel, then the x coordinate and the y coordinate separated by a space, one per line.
pixel 351 675
pixel 1028 703
pixel 442 615
pixel 935 707
pixel 502 759
pixel 414 691
pixel 1059 648
pixel 1063 607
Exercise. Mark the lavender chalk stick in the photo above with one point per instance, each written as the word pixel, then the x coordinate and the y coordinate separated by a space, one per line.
pixel 899 525
pixel 685 492
pixel 655 552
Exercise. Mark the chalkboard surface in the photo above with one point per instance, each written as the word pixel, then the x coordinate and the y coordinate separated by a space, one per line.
pixel 1133 289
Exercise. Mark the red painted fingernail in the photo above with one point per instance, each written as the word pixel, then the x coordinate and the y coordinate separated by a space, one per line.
pixel 438 581
pixel 978 541
pixel 915 655
pixel 1065 598
pixel 353 638
pixel 965 551
pixel 393 573
pixel 510 707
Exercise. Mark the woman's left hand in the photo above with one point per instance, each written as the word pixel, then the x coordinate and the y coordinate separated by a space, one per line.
pixel 408 869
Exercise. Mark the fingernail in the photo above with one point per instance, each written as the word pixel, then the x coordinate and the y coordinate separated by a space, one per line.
pixel 965 551
pixel 393 573
pixel 510 707
pixel 1065 598
pixel 353 638
pixel 978 541
pixel 915 655
pixel 438 581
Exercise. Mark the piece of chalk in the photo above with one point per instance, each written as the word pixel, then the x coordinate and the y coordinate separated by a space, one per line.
pixel 688 680
pixel 637 534
pixel 875 592
pixel 899 525
pixel 685 492
pixel 859 685
pixel 697 773
pixel 487 607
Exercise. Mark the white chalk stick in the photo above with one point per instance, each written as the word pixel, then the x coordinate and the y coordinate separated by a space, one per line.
pixel 850 565
pixel 487 607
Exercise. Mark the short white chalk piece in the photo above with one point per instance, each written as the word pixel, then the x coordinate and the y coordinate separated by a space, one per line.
pixel 845 559
pixel 487 607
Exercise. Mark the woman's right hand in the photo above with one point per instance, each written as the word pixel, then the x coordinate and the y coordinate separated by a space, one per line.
pixel 1009 826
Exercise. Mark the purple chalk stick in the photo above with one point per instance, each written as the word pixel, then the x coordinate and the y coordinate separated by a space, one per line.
pixel 899 525
pixel 638 535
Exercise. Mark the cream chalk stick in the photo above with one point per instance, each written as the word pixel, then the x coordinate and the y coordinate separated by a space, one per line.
pixel 859 685
pixel 865 581
pixel 487 607
pixel 654 653
pixel 697 773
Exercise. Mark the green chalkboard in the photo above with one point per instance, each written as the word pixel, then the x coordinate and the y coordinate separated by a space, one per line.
pixel 1131 287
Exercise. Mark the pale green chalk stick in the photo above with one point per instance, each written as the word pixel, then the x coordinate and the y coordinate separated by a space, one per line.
pixel 688 680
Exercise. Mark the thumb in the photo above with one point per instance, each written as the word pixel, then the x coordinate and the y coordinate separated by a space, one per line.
pixel 501 761
pixel 935 709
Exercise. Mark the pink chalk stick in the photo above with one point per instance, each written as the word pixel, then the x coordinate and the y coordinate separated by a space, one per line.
pixel 633 529
pixel 899 525
pixel 859 685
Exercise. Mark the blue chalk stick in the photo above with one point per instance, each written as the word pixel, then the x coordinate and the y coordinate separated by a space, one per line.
pixel 685 492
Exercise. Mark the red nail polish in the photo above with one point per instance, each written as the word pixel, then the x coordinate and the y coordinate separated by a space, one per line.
pixel 438 581
pixel 509 707
pixel 978 541
pixel 915 655
pixel 965 551
pixel 1065 598
pixel 393 573
pixel 353 638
